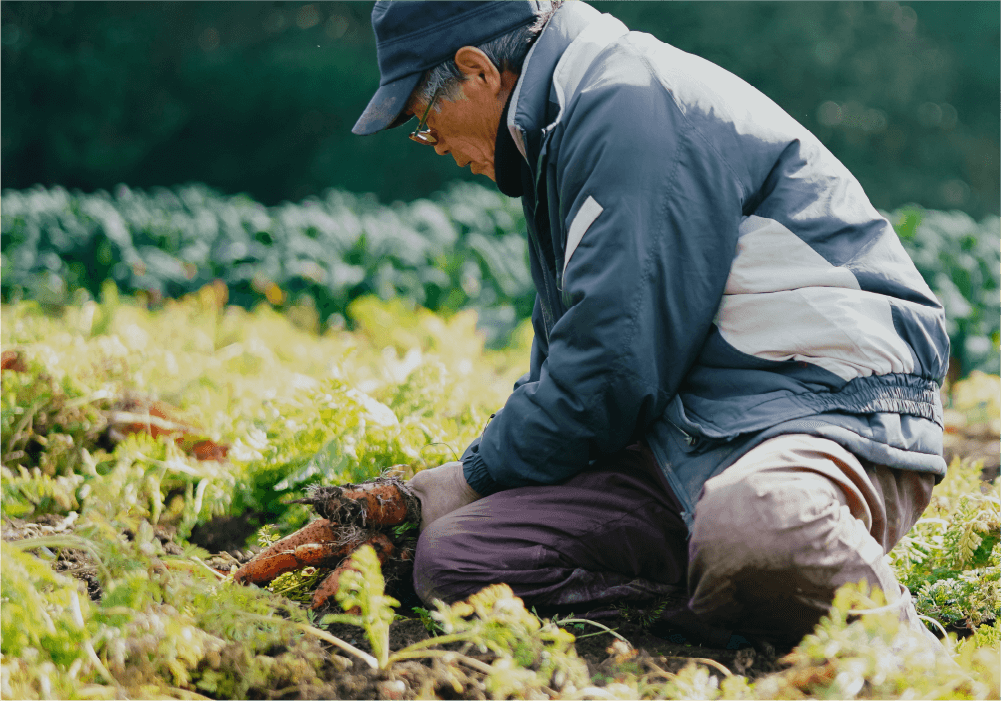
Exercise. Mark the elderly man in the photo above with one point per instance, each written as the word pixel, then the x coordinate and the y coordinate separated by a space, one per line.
pixel 734 387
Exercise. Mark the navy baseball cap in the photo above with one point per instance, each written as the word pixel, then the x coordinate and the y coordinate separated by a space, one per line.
pixel 411 37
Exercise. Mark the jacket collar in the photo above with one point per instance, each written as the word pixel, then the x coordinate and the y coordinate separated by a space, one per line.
pixel 530 100
pixel 509 165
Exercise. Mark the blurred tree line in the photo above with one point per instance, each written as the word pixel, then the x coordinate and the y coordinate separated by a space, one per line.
pixel 260 97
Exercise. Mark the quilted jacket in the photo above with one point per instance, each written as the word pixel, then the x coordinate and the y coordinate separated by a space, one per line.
pixel 709 276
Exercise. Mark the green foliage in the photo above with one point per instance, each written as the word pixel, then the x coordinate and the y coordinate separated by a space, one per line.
pixel 61 474
pixel 528 656
pixel 983 636
pixel 951 559
pixel 39 609
pixel 465 248
pixel 403 387
pixel 430 625
pixel 959 259
pixel 162 625
pixel 495 620
pixel 407 387
pixel 877 656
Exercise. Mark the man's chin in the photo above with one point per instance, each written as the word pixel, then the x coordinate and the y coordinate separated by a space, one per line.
pixel 483 170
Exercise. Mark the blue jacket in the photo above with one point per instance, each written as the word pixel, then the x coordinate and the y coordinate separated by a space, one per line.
pixel 709 276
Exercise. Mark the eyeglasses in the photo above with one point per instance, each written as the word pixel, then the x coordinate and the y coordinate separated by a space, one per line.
pixel 422 134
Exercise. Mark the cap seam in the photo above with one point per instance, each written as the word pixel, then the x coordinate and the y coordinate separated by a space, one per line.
pixel 488 7
pixel 431 64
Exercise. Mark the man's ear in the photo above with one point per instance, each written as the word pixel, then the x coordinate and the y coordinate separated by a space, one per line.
pixel 478 69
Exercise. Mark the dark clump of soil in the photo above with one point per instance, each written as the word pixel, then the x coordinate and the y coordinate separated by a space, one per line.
pixel 752 660
pixel 80 564
pixel 226 533
pixel 71 561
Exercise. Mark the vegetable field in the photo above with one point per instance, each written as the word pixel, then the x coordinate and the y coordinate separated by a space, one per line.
pixel 464 248
pixel 149 449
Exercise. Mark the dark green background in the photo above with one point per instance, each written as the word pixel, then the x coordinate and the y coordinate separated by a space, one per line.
pixel 260 97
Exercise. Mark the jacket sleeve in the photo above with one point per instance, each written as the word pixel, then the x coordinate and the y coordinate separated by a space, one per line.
pixel 649 212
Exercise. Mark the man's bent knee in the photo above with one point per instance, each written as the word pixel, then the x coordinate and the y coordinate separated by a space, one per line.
pixel 768 550
pixel 442 554
pixel 763 522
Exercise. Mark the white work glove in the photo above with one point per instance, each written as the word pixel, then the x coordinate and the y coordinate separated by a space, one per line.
pixel 442 490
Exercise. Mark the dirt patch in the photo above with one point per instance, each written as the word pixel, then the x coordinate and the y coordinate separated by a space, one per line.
pixel 79 564
pixel 226 533
pixel 975 446
pixel 752 661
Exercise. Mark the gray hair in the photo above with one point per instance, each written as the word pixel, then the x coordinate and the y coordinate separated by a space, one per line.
pixel 507 52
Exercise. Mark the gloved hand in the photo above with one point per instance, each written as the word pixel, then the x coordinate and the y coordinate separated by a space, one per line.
pixel 442 490
pixel 352 515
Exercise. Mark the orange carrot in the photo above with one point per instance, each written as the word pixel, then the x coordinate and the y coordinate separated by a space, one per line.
pixel 208 450
pixel 378 503
pixel 322 554
pixel 383 504
pixel 328 588
pixel 280 557
pixel 262 570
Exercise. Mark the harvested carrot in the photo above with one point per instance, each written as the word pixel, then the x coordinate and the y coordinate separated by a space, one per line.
pixel 322 554
pixel 137 414
pixel 383 548
pixel 382 502
pixel 146 415
pixel 208 450
pixel 262 570
pixel 280 557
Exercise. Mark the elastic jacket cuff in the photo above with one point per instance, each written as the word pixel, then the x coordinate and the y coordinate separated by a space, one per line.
pixel 474 469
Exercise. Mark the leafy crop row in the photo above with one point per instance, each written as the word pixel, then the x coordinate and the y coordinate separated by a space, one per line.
pixel 465 248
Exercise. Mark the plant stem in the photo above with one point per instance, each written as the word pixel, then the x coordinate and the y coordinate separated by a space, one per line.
pixel 945 635
pixel 606 629
pixel 446 655
pixel 199 561
pixel 342 644
pixel 706 661
pixel 63 541
pixel 428 642
pixel 322 635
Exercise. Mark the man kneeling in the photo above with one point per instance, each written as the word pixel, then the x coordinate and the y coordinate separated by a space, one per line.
pixel 734 386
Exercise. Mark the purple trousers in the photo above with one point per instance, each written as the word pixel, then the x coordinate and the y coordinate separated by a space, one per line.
pixel 774 536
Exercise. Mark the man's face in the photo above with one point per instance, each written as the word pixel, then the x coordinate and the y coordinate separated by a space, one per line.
pixel 467 127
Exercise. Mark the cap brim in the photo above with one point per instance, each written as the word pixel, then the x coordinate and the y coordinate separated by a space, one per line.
pixel 385 109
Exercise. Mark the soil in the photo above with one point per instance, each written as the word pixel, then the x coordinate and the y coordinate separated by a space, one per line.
pixel 226 533
pixel 975 444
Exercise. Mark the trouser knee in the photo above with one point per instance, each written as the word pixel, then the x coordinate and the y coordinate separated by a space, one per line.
pixel 436 570
pixel 768 554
